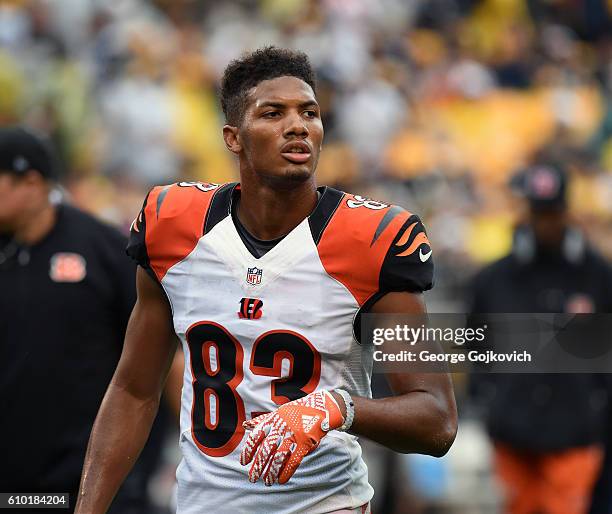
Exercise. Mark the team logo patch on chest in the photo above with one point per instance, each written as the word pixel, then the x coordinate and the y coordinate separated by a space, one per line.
pixel 254 275
pixel 250 308
pixel 67 267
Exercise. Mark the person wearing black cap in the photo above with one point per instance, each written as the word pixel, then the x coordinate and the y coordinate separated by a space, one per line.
pixel 547 429
pixel 67 290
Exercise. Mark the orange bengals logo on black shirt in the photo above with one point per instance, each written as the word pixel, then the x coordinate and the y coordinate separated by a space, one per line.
pixel 67 267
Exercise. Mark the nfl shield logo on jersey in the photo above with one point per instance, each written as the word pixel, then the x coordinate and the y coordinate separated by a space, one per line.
pixel 254 276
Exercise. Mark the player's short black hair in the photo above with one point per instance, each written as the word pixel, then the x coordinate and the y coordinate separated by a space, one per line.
pixel 265 63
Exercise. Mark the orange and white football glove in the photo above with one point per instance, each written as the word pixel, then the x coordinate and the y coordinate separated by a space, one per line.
pixel 285 436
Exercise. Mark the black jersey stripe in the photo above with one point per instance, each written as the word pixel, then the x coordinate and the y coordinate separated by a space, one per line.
pixel 325 209
pixel 160 199
pixel 220 206
pixel 137 247
pixel 384 223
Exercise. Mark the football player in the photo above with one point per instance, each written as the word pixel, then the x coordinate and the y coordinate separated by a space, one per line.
pixel 262 282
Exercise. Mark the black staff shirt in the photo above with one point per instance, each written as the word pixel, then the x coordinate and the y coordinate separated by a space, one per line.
pixel 64 306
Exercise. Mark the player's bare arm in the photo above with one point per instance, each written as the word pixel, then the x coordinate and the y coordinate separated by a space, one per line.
pixel 132 399
pixel 422 416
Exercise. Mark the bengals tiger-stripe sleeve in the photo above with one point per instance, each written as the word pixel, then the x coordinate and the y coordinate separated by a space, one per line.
pixel 137 247
pixel 169 226
pixel 408 264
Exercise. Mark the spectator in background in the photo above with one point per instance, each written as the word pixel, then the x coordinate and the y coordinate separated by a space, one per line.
pixel 67 292
pixel 547 429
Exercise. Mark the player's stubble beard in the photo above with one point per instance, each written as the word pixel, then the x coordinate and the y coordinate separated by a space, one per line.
pixel 290 178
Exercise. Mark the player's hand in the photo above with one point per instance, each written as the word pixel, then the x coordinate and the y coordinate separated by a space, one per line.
pixel 285 436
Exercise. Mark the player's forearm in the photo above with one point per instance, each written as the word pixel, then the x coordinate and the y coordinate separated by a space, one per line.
pixel 118 435
pixel 416 422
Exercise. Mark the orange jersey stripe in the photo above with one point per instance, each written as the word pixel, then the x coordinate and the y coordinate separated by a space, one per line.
pixel 418 241
pixel 406 235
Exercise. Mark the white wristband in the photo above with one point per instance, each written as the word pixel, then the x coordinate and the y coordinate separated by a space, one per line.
pixel 350 410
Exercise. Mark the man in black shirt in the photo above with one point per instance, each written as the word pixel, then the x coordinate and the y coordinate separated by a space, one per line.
pixel 66 292
pixel 547 428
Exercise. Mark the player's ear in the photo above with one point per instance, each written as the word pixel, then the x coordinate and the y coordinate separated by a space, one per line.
pixel 232 139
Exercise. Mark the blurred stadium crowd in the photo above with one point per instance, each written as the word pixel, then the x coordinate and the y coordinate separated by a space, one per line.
pixel 431 104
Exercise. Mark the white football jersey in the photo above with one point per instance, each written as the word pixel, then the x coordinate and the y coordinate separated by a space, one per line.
pixel 258 332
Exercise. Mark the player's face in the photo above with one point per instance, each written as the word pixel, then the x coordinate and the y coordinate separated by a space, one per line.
pixel 281 133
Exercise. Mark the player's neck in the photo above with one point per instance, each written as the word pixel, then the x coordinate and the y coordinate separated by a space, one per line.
pixel 270 213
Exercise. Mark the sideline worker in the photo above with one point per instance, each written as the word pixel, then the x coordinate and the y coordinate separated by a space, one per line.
pixel 547 428
pixel 67 292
